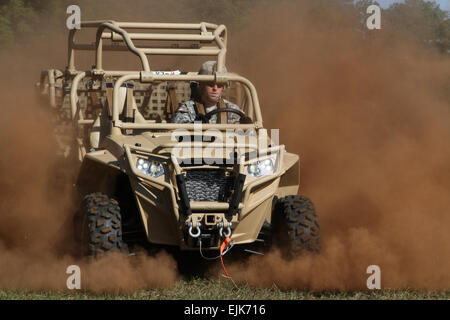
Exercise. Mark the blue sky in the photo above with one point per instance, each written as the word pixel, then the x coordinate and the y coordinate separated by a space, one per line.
pixel 444 4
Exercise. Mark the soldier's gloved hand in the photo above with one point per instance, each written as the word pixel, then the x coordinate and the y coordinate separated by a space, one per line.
pixel 201 117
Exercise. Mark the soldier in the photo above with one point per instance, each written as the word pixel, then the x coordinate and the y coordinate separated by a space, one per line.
pixel 207 100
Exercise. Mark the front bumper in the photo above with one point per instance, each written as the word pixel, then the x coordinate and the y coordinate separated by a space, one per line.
pixel 167 208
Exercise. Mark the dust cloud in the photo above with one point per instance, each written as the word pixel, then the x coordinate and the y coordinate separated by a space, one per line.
pixel 37 206
pixel 37 203
pixel 369 119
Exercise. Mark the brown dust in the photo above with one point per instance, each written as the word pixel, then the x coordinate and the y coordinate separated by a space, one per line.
pixel 368 117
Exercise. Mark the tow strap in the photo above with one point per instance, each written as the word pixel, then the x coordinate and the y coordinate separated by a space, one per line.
pixel 222 248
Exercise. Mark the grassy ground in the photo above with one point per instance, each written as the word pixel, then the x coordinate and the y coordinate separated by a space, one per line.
pixel 200 289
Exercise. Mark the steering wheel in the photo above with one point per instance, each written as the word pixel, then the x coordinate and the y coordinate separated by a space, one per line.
pixel 244 119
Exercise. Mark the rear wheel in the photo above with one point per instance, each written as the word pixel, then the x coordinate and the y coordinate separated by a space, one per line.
pixel 295 226
pixel 101 225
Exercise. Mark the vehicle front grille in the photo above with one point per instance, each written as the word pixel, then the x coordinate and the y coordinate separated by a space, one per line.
pixel 208 185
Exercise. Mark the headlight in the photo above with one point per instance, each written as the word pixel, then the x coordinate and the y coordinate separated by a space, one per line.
pixel 152 168
pixel 259 168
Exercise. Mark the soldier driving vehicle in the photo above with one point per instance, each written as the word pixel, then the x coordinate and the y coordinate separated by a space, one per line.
pixel 134 189
pixel 206 98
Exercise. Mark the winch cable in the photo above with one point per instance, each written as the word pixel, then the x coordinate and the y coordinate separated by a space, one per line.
pixel 214 258
pixel 222 247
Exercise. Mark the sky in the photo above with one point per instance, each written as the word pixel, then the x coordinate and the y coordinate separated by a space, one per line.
pixel 444 4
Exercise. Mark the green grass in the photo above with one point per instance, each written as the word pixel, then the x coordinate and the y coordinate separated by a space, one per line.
pixel 205 289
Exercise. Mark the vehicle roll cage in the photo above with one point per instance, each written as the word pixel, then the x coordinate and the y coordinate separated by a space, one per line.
pixel 208 40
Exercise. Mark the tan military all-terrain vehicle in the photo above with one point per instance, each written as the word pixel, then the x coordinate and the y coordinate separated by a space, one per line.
pixel 146 181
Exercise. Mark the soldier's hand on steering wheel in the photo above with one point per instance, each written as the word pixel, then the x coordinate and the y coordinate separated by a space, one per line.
pixel 243 118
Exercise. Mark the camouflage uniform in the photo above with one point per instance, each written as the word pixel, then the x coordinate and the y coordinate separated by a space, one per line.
pixel 187 112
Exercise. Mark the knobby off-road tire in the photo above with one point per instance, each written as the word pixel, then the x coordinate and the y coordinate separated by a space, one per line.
pixel 296 228
pixel 102 228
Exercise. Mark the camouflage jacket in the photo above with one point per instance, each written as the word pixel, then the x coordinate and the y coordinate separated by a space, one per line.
pixel 187 112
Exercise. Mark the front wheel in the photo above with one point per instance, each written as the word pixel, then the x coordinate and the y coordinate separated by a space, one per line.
pixel 101 230
pixel 295 226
